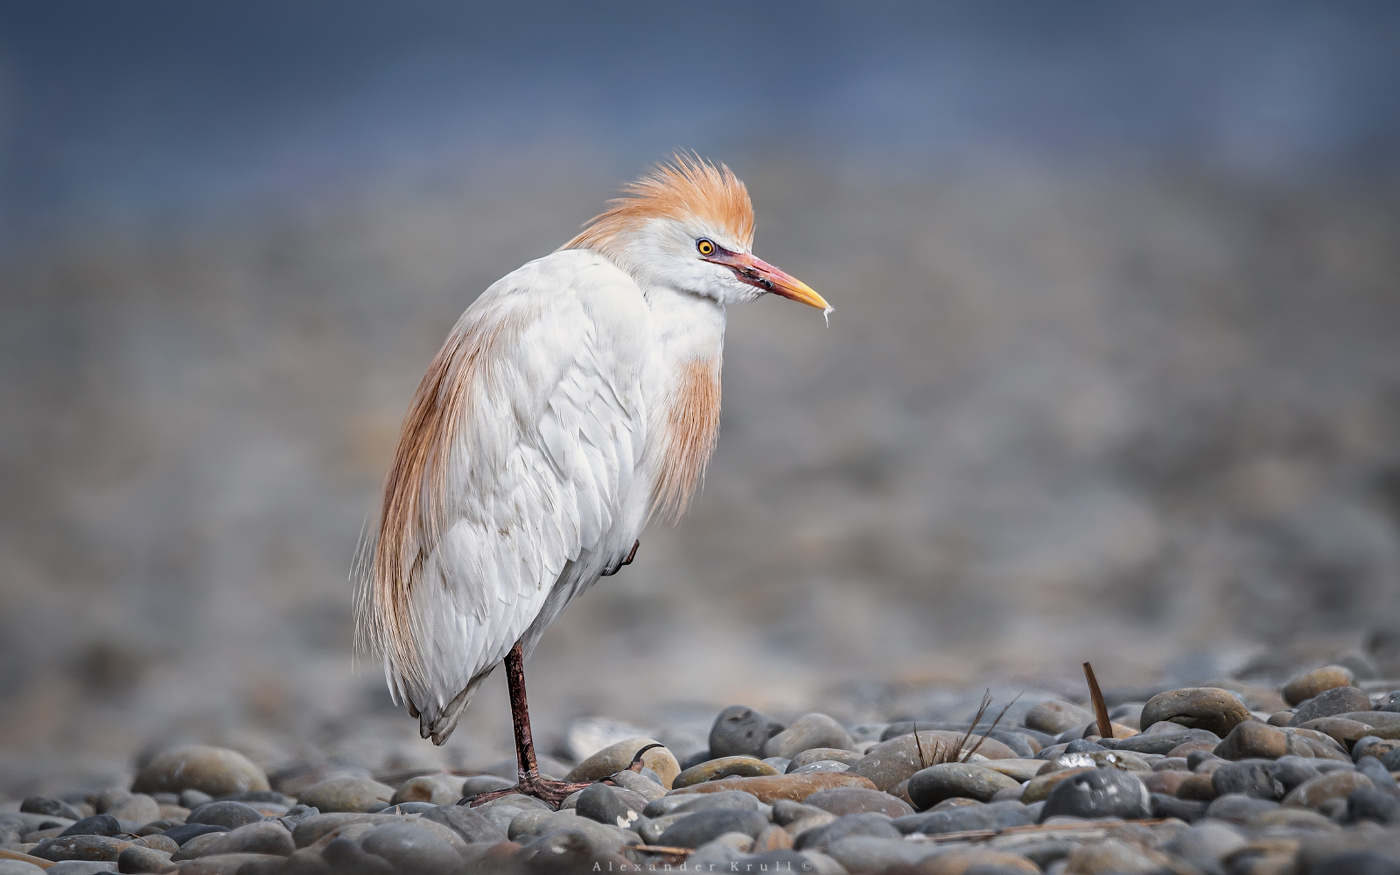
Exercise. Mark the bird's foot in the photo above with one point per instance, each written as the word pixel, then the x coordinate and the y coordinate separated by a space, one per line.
pixel 552 793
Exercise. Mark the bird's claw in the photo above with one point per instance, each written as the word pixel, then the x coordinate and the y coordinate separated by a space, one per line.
pixel 552 793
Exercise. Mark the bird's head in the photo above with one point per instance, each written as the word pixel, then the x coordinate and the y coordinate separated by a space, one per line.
pixel 688 225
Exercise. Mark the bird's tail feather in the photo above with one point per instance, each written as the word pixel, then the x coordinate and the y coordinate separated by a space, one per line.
pixel 437 722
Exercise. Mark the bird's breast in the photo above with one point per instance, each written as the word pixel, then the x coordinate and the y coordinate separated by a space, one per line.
pixel 689 427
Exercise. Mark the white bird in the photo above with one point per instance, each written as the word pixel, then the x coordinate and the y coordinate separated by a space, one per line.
pixel 575 400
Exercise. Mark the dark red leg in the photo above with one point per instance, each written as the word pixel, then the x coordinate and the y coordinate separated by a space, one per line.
pixel 529 782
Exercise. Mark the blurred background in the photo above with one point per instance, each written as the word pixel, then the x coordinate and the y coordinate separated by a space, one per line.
pixel 1114 372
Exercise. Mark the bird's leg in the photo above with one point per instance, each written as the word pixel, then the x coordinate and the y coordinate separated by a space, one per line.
pixel 530 782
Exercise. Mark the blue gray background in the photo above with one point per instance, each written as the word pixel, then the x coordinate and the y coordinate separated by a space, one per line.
pixel 1112 373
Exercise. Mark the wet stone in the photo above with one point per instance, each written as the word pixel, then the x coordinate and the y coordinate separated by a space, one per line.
pixel 226 814
pixel 1098 793
pixel 854 800
pixel 805 733
pixel 1329 703
pixel 1208 708
pixel 1390 702
pixel 741 731
pixel 930 786
pixel 696 829
pixel 213 770
pixel 1309 684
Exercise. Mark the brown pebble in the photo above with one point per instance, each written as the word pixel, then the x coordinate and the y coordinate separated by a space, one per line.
pixel 1308 684
pixel 1253 739
pixel 1198 786
pixel 1209 708
pixel 771 788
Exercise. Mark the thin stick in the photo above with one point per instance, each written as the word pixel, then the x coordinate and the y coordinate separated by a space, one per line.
pixel 1100 706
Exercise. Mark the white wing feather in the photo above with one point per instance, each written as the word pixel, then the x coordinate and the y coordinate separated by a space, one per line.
pixel 541 494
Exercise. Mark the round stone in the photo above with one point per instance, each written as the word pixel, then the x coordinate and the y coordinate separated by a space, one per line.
pixel 1098 793
pixel 930 786
pixel 80 847
pixel 226 814
pixel 141 859
pixel 1329 703
pixel 185 832
pixel 807 732
pixel 865 824
pixel 264 837
pixel 1238 809
pixel 841 801
pixel 1373 804
pixel 214 770
pixel 892 762
pixel 1356 863
pixel 723 767
pixel 1310 683
pixel 349 793
pixel 771 788
pixel 411 848
pixel 598 802
pixel 1255 778
pixel 1209 708
pixel 694 830
pixel 49 807
pixel 1390 702
pixel 97 825
pixel 1315 792
pixel 823 754
pixel 1056 717
pixel 741 731
pixel 616 757
pixel 1253 739
pixel 442 789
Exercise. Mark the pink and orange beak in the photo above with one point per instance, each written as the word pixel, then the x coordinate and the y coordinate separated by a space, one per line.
pixel 760 274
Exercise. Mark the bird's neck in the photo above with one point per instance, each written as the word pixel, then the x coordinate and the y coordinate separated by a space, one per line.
pixel 686 326
pixel 689 341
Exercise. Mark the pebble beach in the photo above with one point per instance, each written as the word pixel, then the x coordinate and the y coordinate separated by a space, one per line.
pixel 1232 777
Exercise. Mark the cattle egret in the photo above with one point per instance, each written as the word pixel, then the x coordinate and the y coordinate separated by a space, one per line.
pixel 575 400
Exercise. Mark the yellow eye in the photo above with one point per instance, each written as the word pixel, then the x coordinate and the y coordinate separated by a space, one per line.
pixel 705 247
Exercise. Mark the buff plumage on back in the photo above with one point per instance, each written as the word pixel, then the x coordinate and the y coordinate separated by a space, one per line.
pixel 686 187
pixel 413 511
